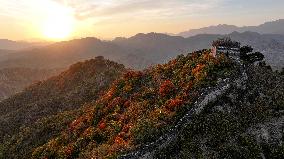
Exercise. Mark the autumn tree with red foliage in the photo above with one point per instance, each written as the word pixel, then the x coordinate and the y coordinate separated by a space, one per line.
pixel 172 104
pixel 166 88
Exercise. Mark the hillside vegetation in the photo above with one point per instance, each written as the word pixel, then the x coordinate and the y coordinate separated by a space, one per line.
pixel 97 109
pixel 46 106
pixel 241 124
pixel 137 108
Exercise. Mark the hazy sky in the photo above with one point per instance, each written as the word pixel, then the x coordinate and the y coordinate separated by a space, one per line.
pixel 42 19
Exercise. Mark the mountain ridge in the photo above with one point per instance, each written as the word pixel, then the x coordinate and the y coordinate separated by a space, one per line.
pixel 6 44
pixel 138 107
pixel 139 51
pixel 273 27
pixel 68 90
pixel 14 80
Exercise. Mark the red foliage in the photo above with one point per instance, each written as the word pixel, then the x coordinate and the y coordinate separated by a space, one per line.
pixel 115 102
pixel 122 135
pixel 126 127
pixel 82 120
pixel 69 150
pixel 166 88
pixel 124 119
pixel 173 62
pixel 174 103
pixel 108 96
pixel 76 124
pixel 126 104
pixel 133 74
pixel 102 125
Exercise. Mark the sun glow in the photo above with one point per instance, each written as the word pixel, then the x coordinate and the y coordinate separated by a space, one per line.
pixel 59 23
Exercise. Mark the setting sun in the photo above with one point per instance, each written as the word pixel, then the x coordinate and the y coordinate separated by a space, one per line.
pixel 58 24
pixel 58 28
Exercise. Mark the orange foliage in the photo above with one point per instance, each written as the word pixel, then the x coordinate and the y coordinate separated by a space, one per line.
pixel 108 96
pixel 207 56
pixel 174 103
pixel 133 74
pixel 127 88
pixel 198 69
pixel 119 140
pixel 124 118
pixel 166 88
pixel 69 150
pixel 115 102
pixel 189 86
pixel 126 128
pixel 89 132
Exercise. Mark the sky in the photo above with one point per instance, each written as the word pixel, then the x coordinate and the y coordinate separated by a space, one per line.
pixel 106 19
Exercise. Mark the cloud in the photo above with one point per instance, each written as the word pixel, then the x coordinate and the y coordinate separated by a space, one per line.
pixel 110 9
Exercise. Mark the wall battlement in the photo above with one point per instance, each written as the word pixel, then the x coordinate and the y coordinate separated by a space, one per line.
pixel 226 46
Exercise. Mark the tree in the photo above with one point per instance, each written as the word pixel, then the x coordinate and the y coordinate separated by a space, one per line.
pixel 244 52
pixel 264 65
pixel 246 49
pixel 247 55
pixel 253 57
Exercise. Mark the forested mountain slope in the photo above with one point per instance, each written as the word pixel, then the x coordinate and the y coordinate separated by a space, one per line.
pixel 96 109
pixel 138 108
pixel 243 123
pixel 81 83
pixel 14 80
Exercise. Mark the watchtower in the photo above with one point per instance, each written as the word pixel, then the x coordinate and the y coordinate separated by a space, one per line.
pixel 226 46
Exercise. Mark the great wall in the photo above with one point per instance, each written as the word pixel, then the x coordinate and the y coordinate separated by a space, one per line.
pixel 208 95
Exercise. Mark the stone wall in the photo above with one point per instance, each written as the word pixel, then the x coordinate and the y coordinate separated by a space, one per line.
pixel 208 96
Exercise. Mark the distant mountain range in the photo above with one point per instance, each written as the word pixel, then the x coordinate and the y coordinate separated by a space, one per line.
pixel 6 44
pixel 14 80
pixel 274 27
pixel 23 63
pixel 139 51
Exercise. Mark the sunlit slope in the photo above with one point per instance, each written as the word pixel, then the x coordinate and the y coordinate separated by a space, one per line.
pixel 81 83
pixel 137 108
